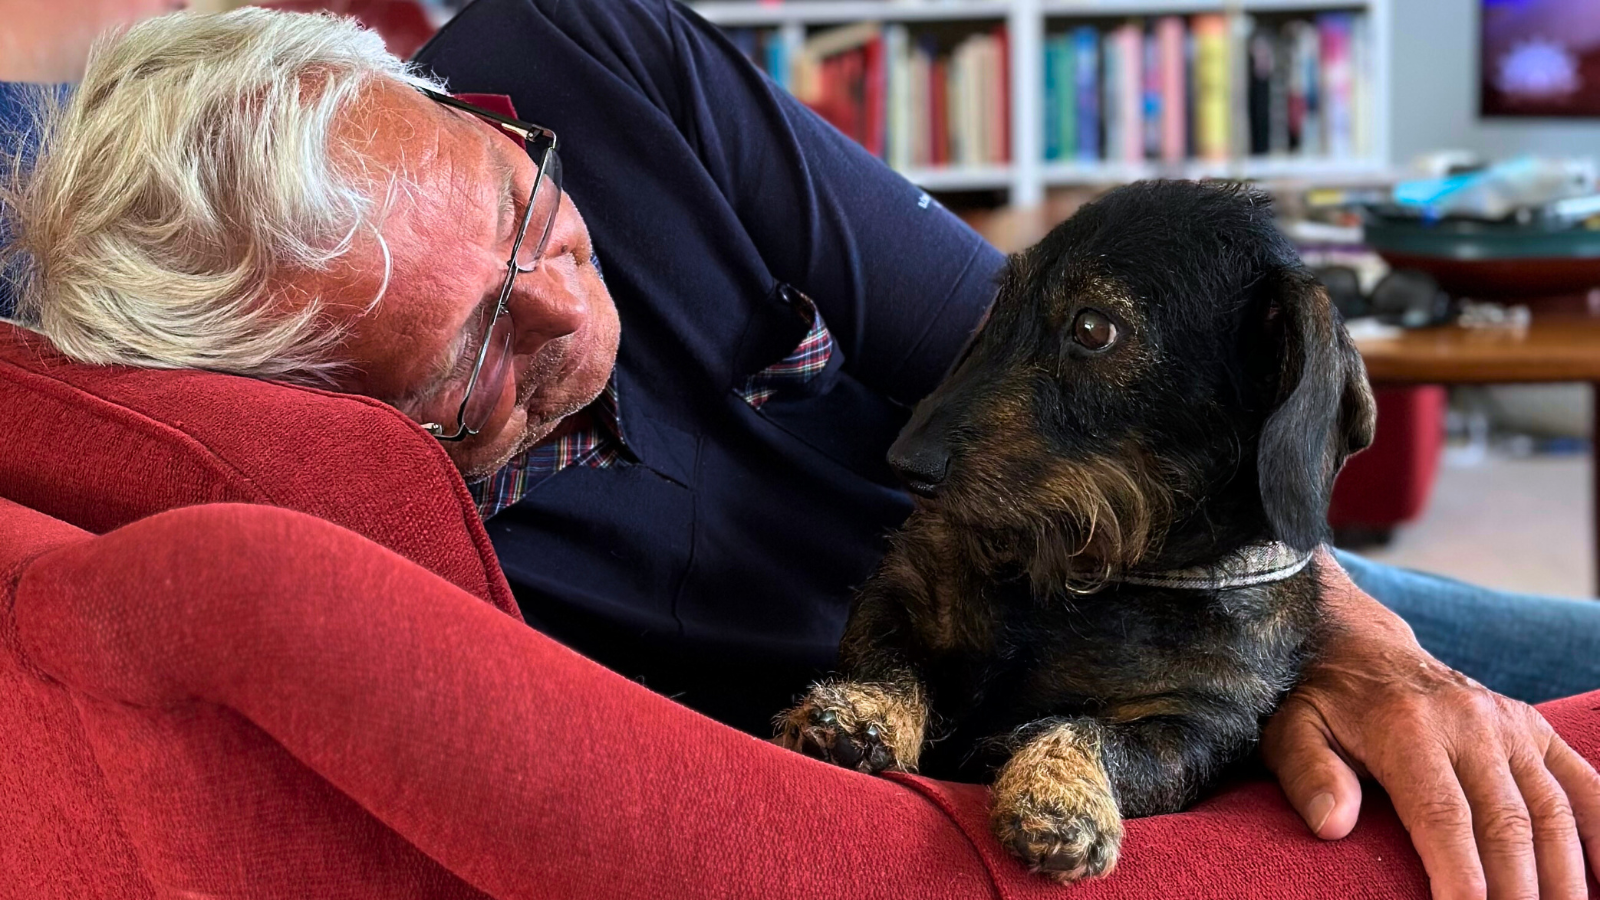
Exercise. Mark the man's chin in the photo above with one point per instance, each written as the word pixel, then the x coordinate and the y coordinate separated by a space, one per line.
pixel 483 459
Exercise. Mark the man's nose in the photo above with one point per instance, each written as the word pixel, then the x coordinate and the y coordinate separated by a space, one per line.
pixel 547 304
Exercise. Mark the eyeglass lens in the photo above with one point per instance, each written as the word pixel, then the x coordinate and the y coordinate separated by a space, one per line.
pixel 543 215
pixel 500 333
pixel 492 377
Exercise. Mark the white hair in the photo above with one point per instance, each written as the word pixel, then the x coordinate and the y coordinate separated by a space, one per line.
pixel 188 178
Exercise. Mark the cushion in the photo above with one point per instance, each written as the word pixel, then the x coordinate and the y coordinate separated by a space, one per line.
pixel 102 446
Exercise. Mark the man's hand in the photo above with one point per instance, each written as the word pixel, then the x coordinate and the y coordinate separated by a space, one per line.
pixel 1496 803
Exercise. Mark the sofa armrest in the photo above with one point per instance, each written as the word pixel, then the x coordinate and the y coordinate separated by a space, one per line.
pixel 521 767
pixel 529 771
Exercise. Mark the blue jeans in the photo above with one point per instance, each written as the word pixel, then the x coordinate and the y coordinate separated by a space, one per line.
pixel 1527 647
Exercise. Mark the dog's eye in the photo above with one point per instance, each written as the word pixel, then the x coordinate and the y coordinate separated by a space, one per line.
pixel 1094 330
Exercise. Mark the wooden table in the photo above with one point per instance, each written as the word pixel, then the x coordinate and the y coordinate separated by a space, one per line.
pixel 1551 349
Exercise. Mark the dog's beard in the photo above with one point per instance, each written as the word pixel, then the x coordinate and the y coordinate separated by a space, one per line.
pixel 1070 524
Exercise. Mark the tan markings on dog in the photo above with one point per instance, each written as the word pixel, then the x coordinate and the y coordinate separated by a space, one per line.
pixel 1054 809
pixel 898 709
pixel 1144 707
pixel 934 571
pixel 1082 520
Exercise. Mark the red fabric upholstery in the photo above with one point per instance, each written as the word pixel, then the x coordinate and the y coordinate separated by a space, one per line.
pixel 102 446
pixel 1389 482
pixel 277 707
pixel 59 834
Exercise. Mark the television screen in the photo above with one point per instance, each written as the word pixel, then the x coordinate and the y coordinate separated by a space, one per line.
pixel 1540 58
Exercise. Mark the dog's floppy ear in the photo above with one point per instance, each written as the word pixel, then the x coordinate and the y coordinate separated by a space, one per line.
pixel 1323 411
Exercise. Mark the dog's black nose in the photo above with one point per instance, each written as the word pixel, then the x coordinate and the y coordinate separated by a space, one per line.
pixel 922 466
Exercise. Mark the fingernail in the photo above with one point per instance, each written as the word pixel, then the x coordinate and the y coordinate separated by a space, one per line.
pixel 1320 808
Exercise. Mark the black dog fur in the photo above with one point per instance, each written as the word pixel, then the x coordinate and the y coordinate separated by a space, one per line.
pixel 1217 416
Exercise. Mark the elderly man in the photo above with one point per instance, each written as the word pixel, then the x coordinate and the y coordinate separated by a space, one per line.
pixel 681 462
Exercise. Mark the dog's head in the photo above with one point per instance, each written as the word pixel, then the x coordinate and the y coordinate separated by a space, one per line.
pixel 1160 380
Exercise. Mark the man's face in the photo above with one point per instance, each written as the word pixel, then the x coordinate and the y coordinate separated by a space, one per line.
pixel 449 237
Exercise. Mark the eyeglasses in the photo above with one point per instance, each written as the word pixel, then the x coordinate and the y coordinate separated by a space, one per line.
pixel 475 402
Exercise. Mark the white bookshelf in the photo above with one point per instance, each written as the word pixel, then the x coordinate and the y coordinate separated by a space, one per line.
pixel 1028 175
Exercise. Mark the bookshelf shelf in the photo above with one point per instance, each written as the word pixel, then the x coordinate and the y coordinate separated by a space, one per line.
pixel 960 178
pixel 755 13
pixel 742 13
pixel 1023 35
pixel 1323 171
pixel 1093 8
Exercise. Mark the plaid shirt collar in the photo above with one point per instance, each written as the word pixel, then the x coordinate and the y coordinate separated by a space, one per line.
pixel 599 445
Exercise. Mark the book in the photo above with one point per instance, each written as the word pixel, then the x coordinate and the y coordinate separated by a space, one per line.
pixel 1130 91
pixel 1361 102
pixel 1263 63
pixel 1171 37
pixel 1000 97
pixel 1304 104
pixel 1338 90
pixel 1151 98
pixel 939 119
pixel 1086 57
pixel 1212 95
pixel 1111 96
pixel 897 88
pixel 873 114
pixel 1050 126
pixel 776 60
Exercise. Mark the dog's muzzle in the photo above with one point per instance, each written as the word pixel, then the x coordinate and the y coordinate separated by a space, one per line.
pixel 921 464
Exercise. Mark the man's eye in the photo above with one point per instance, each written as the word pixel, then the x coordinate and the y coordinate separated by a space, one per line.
pixel 1094 330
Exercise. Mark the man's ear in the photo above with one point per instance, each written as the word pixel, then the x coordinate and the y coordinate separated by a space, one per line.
pixel 1323 411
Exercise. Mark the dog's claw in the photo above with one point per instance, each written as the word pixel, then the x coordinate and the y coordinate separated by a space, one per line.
pixel 1066 849
pixel 827 734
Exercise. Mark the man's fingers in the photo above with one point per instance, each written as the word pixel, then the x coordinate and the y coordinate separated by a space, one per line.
pixel 1582 787
pixel 1318 783
pixel 1430 803
pixel 1555 835
pixel 1501 823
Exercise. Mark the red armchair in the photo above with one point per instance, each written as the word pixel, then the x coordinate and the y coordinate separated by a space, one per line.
pixel 237 700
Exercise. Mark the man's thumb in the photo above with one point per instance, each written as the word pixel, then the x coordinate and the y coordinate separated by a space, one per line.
pixel 1318 783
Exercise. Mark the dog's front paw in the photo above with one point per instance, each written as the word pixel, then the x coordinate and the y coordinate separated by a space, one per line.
pixel 868 727
pixel 1054 809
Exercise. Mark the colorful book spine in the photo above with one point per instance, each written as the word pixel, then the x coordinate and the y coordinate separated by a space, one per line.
pixel 939 120
pixel 1130 91
pixel 777 61
pixel 897 89
pixel 1262 49
pixel 1361 102
pixel 1086 57
pixel 1212 94
pixel 1334 31
pixel 1152 98
pixel 1111 96
pixel 1066 76
pixel 1171 38
pixel 874 98
pixel 1000 97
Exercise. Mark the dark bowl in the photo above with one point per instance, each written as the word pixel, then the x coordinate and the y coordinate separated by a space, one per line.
pixel 1499 260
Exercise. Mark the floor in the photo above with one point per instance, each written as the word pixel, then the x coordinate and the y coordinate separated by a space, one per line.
pixel 1520 524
